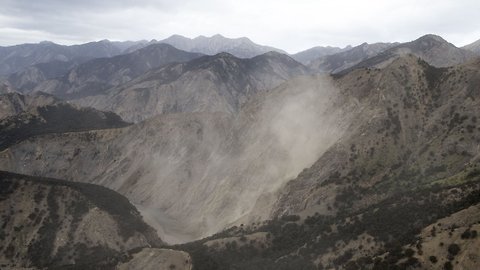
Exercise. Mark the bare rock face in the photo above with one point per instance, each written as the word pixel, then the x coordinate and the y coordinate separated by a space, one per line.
pixel 153 258
pixel 54 223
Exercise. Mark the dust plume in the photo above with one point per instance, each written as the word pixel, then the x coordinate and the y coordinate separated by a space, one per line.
pixel 232 176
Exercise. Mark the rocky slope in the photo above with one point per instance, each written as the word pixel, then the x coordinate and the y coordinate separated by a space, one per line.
pixel 339 61
pixel 473 47
pixel 409 162
pixel 268 144
pixel 240 47
pixel 171 165
pixel 354 169
pixel 15 103
pixel 434 228
pixel 219 83
pixel 59 224
pixel 27 116
pixel 97 75
pixel 309 55
pixel 5 87
pixel 27 79
pixel 422 127
pixel 431 48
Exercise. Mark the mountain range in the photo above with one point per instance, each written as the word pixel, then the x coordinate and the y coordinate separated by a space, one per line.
pixel 216 153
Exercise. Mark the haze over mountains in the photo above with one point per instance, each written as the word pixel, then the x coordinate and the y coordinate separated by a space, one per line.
pixel 364 157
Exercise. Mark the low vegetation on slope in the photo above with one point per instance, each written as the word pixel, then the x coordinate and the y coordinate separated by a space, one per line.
pixel 409 161
pixel 383 236
pixel 54 118
pixel 53 223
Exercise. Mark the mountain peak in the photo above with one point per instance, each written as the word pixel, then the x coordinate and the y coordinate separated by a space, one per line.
pixel 272 54
pixel 46 42
pixel 240 47
pixel 217 36
pixel 223 55
pixel 430 37
pixel 473 47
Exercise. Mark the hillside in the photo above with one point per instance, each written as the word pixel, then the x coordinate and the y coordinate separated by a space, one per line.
pixel 219 83
pixel 473 47
pixel 15 103
pixel 399 191
pixel 26 116
pixel 97 75
pixel 170 165
pixel 402 232
pixel 309 55
pixel 431 48
pixel 54 223
pixel 339 61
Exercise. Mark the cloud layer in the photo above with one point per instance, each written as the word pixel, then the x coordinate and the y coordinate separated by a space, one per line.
pixel 289 25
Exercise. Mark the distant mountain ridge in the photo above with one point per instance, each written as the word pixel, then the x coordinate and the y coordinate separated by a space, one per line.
pixel 16 58
pixel 306 56
pixel 473 47
pixel 339 61
pixel 432 48
pixel 240 47
pixel 99 74
pixel 218 83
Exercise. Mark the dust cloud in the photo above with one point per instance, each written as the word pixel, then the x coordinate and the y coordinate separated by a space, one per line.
pixel 235 171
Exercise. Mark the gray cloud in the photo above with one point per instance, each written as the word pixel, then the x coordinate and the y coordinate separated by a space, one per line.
pixel 285 24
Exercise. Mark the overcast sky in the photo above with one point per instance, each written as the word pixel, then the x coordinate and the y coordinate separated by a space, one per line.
pixel 292 25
